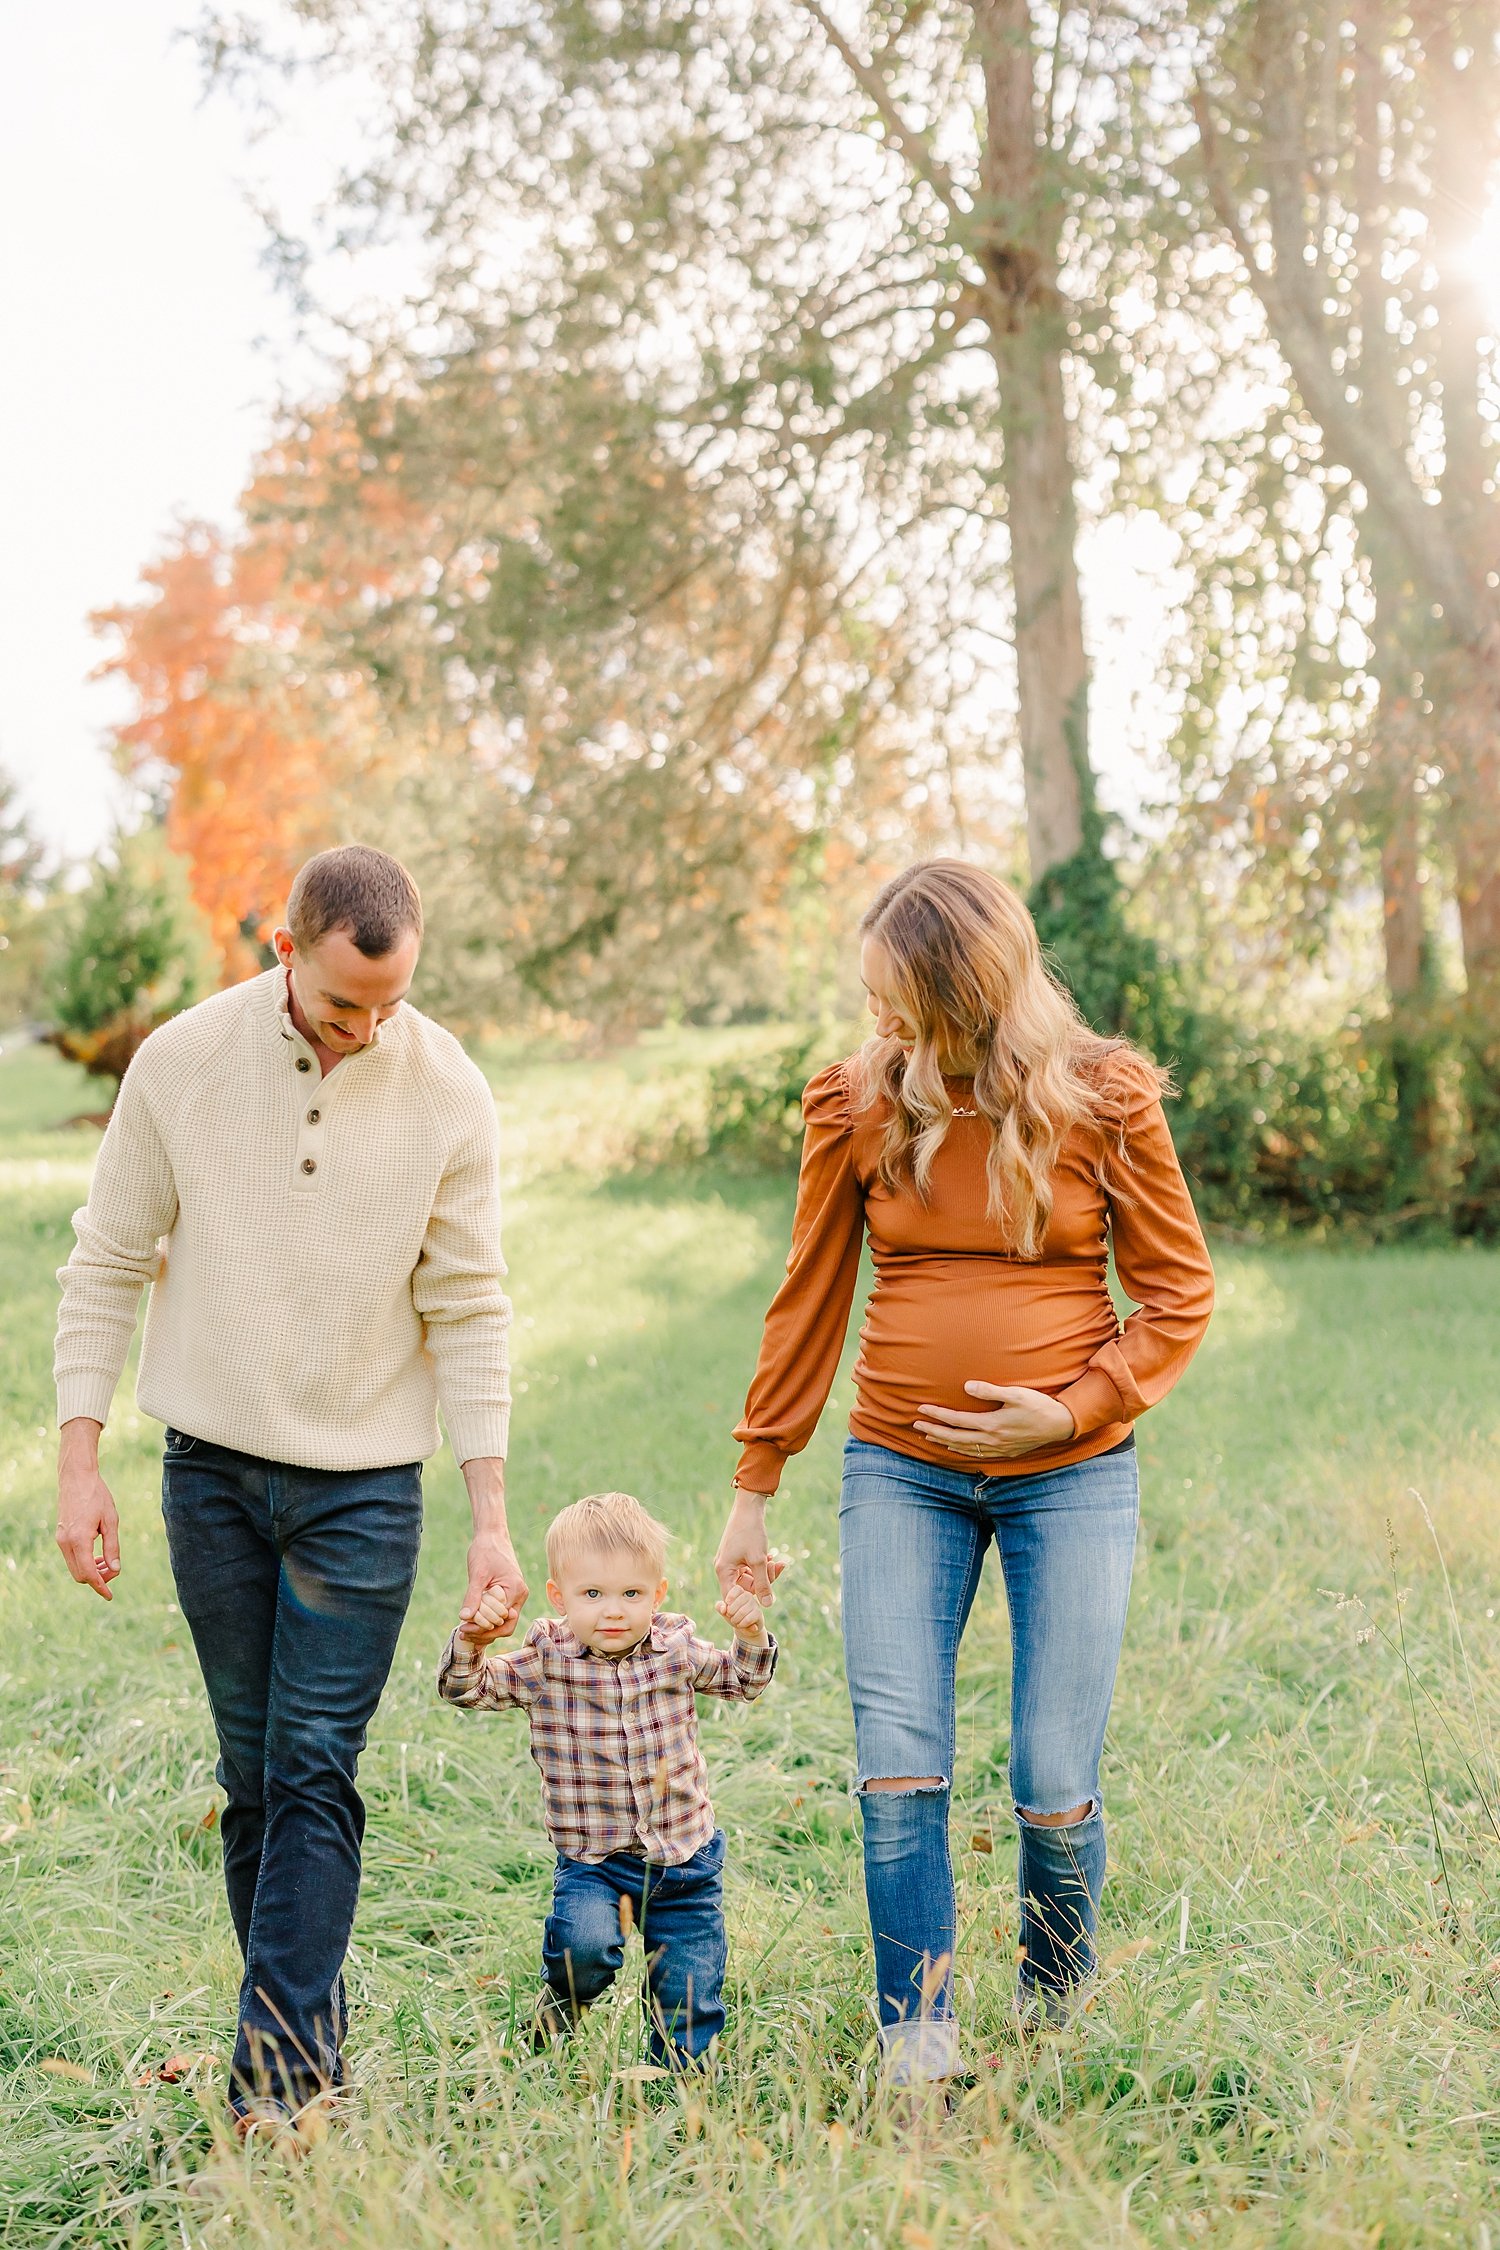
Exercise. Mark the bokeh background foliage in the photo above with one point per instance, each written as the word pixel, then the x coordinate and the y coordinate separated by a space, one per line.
pixel 708 532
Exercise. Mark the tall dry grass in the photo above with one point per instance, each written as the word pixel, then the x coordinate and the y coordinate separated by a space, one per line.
pixel 1296 2040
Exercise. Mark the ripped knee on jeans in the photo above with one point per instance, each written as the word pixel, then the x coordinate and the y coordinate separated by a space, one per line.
pixel 1073 1818
pixel 903 1785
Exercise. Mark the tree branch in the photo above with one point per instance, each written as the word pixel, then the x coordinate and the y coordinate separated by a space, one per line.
pixel 904 137
pixel 1349 431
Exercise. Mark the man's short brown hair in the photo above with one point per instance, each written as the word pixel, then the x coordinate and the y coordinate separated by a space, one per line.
pixel 358 889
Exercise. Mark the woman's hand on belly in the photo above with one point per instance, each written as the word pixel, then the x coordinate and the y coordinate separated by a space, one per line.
pixel 1019 1421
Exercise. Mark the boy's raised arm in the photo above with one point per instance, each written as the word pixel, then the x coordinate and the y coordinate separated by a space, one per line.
pixel 485 1680
pixel 740 1673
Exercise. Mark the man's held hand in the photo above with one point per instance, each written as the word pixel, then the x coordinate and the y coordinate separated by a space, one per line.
pixel 493 1568
pixel 493 1619
pixel 497 1591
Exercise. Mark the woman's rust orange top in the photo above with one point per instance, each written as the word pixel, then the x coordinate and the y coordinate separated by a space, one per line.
pixel 951 1304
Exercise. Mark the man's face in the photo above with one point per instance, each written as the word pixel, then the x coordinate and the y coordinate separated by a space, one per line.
pixel 343 994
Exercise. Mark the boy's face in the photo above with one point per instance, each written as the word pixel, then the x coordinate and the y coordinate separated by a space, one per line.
pixel 608 1600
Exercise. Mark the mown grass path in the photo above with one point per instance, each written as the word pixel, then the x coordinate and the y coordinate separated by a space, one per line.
pixel 1299 2037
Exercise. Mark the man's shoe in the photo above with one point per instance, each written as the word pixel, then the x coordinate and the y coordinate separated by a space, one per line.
pixel 261 2124
pixel 270 2124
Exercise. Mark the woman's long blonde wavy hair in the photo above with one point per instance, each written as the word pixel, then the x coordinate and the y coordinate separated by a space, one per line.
pixel 968 974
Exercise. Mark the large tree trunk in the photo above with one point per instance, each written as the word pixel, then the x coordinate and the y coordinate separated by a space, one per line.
pixel 1448 554
pixel 1028 334
pixel 1402 737
pixel 1410 978
pixel 1471 719
pixel 1391 816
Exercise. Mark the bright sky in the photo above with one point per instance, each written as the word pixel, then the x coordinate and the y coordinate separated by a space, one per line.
pixel 146 347
pixel 132 388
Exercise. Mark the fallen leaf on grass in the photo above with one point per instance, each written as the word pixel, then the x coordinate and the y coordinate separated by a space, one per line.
pixel 1130 1952
pixel 173 2070
pixel 981 1841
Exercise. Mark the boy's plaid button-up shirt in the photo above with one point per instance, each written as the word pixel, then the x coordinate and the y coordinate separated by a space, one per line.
pixel 615 1737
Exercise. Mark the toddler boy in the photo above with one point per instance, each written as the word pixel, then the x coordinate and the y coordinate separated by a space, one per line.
pixel 609 1685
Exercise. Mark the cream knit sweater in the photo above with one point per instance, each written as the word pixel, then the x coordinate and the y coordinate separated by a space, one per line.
pixel 333 1259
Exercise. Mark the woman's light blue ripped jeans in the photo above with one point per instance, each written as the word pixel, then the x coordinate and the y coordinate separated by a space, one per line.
pixel 912 1541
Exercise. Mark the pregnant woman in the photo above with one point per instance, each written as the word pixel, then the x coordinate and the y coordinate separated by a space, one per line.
pixel 994 1149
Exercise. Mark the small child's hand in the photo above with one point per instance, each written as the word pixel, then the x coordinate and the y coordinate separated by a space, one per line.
pixel 488 1622
pixel 744 1614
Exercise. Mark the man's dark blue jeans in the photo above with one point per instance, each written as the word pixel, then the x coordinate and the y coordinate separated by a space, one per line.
pixel 294 1583
pixel 679 1912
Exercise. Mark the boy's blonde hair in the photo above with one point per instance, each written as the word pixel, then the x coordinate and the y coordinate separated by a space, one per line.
pixel 607 1523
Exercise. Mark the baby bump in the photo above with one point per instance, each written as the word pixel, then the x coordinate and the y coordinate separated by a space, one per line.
pixel 925 1335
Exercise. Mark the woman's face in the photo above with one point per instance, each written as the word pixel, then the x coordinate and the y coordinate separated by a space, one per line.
pixel 890 1021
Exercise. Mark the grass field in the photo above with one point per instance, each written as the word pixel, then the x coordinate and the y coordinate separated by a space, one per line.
pixel 1298 2038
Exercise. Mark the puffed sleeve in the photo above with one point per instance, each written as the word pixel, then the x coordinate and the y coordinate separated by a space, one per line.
pixel 1163 1264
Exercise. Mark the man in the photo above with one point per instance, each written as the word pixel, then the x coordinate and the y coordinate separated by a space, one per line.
pixel 322 1162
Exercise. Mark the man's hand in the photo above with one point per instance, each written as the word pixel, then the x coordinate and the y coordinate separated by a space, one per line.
pixel 745 1615
pixel 492 1559
pixel 743 1558
pixel 1021 1421
pixel 86 1518
pixel 489 1621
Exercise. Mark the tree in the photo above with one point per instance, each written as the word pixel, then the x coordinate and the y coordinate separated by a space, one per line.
pixel 245 750
pixel 1350 160
pixel 846 252
pixel 22 891
pixel 477 612
pixel 133 953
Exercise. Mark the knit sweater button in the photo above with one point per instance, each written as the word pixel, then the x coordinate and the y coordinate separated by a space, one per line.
pixel 303 1063
pixel 313 1115
pixel 309 1164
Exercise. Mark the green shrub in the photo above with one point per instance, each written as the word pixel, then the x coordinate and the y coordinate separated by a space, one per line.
pixel 754 1107
pixel 133 951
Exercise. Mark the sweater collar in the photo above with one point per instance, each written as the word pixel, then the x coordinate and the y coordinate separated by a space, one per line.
pixel 273 1000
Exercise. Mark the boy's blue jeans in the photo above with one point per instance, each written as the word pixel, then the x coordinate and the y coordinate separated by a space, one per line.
pixel 679 1912
pixel 294 1583
pixel 912 1540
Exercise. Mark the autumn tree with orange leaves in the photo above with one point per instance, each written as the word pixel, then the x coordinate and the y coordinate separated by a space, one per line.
pixel 485 620
pixel 235 726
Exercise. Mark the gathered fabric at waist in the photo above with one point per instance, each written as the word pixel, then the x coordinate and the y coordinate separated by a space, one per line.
pixel 933 1324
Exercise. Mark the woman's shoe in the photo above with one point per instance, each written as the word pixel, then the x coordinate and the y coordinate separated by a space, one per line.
pixel 1039 2007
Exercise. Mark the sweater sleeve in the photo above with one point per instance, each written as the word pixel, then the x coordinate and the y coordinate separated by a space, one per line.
pixel 1163 1265
pixel 809 1316
pixel 456 1289
pixel 132 1202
